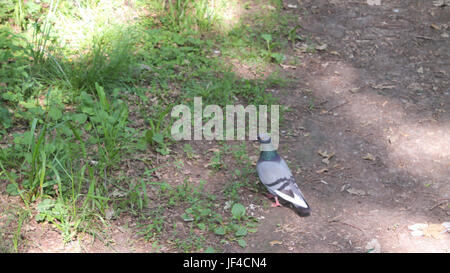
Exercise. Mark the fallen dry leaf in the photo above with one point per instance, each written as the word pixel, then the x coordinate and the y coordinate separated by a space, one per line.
pixel 287 66
pixel 322 170
pixel 435 26
pixel 275 242
pixel 356 191
pixel 322 47
pixel 429 230
pixel 434 230
pixel 354 89
pixel 369 156
pixel 325 154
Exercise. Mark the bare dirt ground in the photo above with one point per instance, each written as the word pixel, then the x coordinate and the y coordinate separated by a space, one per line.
pixel 368 138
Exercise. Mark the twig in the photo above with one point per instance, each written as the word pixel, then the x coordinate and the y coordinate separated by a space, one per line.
pixel 424 37
pixel 287 66
pixel 337 106
pixel 438 204
pixel 339 221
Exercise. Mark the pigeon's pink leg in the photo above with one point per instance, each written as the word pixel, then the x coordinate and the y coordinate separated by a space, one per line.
pixel 276 204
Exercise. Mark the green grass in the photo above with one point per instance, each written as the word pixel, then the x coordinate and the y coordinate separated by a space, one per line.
pixel 74 84
pixel 201 215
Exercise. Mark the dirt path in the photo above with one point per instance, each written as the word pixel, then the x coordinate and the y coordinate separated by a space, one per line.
pixel 378 99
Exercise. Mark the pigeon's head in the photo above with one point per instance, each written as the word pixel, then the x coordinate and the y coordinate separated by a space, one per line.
pixel 264 138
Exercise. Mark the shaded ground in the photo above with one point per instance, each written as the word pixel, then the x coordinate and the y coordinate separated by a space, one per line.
pixel 377 99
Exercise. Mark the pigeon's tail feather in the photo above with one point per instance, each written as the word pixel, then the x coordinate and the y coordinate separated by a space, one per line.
pixel 303 212
pixel 293 195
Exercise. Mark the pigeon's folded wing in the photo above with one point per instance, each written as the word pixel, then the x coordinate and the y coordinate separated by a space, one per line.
pixel 273 174
pixel 279 180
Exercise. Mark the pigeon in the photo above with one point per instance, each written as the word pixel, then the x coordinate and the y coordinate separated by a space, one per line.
pixel 275 174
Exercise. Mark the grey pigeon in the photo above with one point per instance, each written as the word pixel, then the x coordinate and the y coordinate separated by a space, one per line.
pixel 275 174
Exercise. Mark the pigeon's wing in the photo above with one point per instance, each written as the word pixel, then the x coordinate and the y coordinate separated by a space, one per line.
pixel 272 174
pixel 279 180
pixel 292 193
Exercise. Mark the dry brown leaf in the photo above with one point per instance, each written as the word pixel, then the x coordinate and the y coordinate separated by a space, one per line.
pixel 435 26
pixel 275 242
pixel 322 170
pixel 434 230
pixel 287 66
pixel 325 154
pixel 369 156
pixel 354 89
pixel 322 47
pixel 356 191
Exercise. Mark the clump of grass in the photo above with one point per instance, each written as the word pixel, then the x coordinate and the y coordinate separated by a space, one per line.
pixel 61 161
pixel 109 62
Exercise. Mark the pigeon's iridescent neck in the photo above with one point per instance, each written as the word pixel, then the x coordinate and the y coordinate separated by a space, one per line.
pixel 269 155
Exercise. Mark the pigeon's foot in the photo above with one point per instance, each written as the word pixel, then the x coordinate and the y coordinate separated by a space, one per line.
pixel 276 204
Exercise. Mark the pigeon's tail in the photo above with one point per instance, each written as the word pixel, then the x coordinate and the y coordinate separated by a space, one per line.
pixel 303 211
pixel 297 200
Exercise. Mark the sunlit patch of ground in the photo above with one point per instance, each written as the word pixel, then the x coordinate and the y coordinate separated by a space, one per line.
pixel 419 147
pixel 228 13
pixel 75 32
